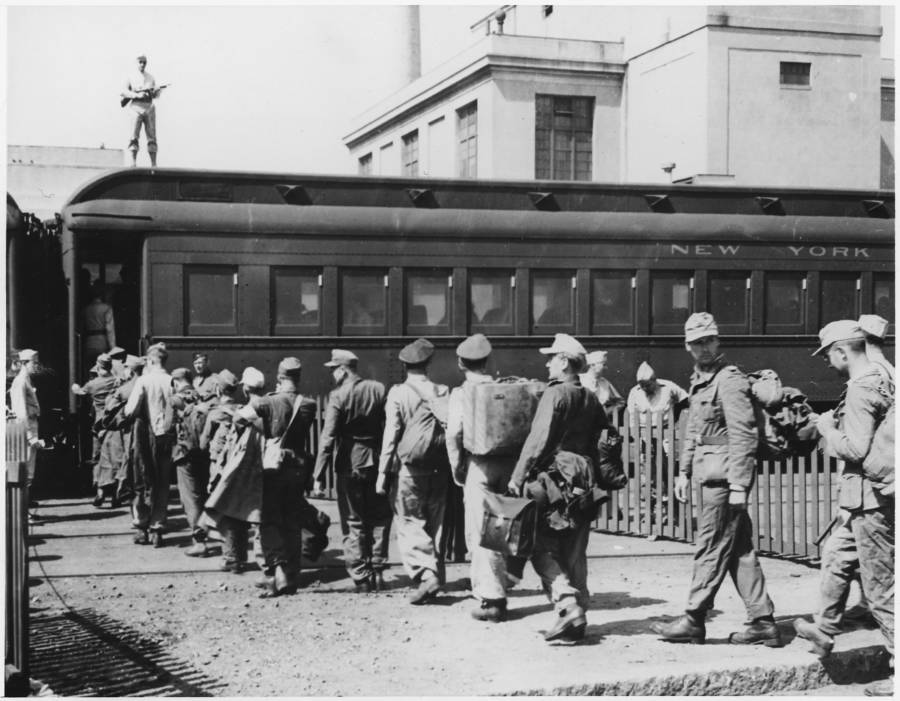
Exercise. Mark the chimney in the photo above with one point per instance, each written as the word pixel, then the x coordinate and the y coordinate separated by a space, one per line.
pixel 412 63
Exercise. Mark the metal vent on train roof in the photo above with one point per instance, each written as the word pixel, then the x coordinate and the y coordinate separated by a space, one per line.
pixel 876 209
pixel 422 198
pixel 660 203
pixel 544 201
pixel 294 194
pixel 771 205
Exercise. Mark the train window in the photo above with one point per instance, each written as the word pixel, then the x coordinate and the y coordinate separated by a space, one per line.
pixel 553 301
pixel 884 298
pixel 728 300
pixel 612 301
pixel 785 303
pixel 491 301
pixel 364 302
pixel 839 297
pixel 428 302
pixel 296 301
pixel 672 301
pixel 210 299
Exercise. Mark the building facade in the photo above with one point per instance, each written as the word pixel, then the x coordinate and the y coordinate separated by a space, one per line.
pixel 761 95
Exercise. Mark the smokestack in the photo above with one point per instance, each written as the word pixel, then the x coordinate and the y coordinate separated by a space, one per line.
pixel 412 63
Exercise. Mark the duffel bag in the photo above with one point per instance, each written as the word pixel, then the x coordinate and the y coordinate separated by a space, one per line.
pixel 508 525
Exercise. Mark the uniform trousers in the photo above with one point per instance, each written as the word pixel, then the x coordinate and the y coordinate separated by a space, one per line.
pixel 192 475
pixel 488 567
pixel 281 517
pixel 863 540
pixel 148 120
pixel 234 540
pixel 365 522
pixel 151 490
pixel 560 560
pixel 725 547
pixel 418 501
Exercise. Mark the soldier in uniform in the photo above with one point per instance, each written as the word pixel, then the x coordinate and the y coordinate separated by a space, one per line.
pixel 478 475
pixel 204 381
pixel 24 404
pixel 350 442
pixel 720 446
pixel 865 535
pixel 118 441
pixel 569 419
pixel 98 389
pixel 593 380
pixel 875 329
pixel 118 355
pixel 420 492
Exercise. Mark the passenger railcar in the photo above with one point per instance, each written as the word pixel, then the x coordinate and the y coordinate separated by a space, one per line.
pixel 252 267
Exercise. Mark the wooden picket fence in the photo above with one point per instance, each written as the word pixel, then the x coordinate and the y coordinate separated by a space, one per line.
pixel 16 546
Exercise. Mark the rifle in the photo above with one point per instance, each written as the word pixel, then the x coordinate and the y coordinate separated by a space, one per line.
pixel 125 100
pixel 824 534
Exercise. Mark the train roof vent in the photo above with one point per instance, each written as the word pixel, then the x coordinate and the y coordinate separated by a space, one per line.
pixel 660 203
pixel 294 194
pixel 876 208
pixel 544 201
pixel 422 198
pixel 771 205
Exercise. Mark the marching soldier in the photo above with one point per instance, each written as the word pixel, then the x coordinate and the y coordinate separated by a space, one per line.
pixel 24 404
pixel 350 442
pixel 720 446
pixel 98 389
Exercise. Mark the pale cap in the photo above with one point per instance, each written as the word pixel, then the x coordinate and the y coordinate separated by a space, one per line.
pixel 843 330
pixel 104 361
pixel 341 357
pixel 253 378
pixel 873 325
pixel 116 353
pixel 596 357
pixel 226 379
pixel 700 325
pixel 27 354
pixel 182 374
pixel 133 362
pixel 289 365
pixel 475 347
pixel 645 372
pixel 417 352
pixel 566 344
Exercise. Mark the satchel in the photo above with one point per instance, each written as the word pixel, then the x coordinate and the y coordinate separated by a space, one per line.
pixel 273 455
pixel 508 525
pixel 610 470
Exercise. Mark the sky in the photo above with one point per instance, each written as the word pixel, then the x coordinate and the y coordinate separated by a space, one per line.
pixel 252 88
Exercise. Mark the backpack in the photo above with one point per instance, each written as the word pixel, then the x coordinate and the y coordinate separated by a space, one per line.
pixel 424 442
pixel 783 418
pixel 878 466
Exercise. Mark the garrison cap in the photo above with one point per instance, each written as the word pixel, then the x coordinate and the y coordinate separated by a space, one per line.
pixel 289 365
pixel 116 353
pixel 133 362
pixel 475 347
pixel 341 357
pixel 161 346
pixel 182 374
pixel 27 354
pixel 596 357
pixel 873 325
pixel 104 361
pixel 843 330
pixel 141 57
pixel 200 354
pixel 564 343
pixel 226 379
pixel 417 352
pixel 251 377
pixel 645 372
pixel 700 325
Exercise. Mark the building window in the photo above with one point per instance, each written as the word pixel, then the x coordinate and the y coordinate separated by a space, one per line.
pixel 411 153
pixel 563 137
pixel 794 73
pixel 428 302
pixel 785 303
pixel 887 105
pixel 363 302
pixel 386 163
pixel 728 300
pixel 552 301
pixel 365 164
pixel 491 300
pixel 467 140
pixel 672 301
pixel 612 301
pixel 296 301
pixel 884 298
pixel 211 299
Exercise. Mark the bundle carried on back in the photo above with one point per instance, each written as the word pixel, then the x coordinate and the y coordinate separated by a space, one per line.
pixel 497 415
pixel 784 418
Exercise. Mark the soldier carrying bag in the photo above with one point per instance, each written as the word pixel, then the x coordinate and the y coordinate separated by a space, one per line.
pixel 424 442
pixel 878 465
pixel 508 525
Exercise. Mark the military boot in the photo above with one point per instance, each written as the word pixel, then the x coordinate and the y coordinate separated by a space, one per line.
pixel 822 643
pixel 762 631
pixel 570 624
pixel 684 629
pixel 493 610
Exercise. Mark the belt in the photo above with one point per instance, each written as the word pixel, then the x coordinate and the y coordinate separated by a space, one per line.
pixel 712 440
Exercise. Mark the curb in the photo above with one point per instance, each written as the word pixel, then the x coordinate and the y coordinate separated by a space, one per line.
pixel 851 666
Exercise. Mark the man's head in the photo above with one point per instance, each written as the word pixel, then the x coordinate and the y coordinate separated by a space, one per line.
pixel 646 378
pixel 141 62
pixel 701 338
pixel 874 327
pixel 596 362
pixel 134 364
pixel 289 371
pixel 29 360
pixel 157 354
pixel 181 378
pixel 226 383
pixel 843 343
pixel 417 355
pixel 342 364
pixel 473 353
pixel 117 353
pixel 201 364
pixel 104 364
pixel 253 381
pixel 567 357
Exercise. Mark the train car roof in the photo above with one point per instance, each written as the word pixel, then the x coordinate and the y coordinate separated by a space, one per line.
pixel 299 190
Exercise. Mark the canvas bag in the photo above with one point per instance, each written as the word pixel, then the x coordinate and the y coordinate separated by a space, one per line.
pixel 609 472
pixel 508 525
pixel 878 466
pixel 424 442
pixel 273 454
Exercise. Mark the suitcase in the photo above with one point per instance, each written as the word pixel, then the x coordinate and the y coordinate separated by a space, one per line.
pixel 497 416
pixel 508 525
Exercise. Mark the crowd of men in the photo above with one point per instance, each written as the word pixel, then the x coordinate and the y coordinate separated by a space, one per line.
pixel 243 461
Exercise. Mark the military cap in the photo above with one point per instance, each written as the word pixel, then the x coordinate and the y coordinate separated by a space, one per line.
pixel 27 354
pixel 182 374
pixel 417 352
pixel 843 330
pixel 700 325
pixel 564 343
pixel 251 377
pixel 341 357
pixel 596 357
pixel 116 353
pixel 475 347
pixel 200 354
pixel 158 347
pixel 142 57
pixel 873 325
pixel 289 365
pixel 104 361
pixel 645 372
pixel 226 379
pixel 133 362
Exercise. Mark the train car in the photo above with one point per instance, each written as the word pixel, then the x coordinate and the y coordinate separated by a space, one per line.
pixel 252 267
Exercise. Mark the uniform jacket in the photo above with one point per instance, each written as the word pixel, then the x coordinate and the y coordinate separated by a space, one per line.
pixel 215 428
pixel 569 417
pixel 205 385
pixel 276 410
pixel 152 395
pixel 24 403
pixel 399 407
pixel 856 417
pixel 354 425
pixel 721 411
